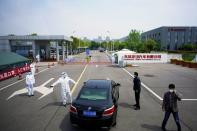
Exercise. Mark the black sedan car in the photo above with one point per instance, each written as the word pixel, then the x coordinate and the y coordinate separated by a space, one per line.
pixel 96 104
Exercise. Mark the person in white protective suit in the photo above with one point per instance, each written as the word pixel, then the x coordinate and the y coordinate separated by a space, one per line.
pixel 37 58
pixel 64 81
pixel 30 80
pixel 33 68
pixel 113 60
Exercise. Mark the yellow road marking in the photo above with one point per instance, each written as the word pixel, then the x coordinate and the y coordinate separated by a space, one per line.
pixel 73 89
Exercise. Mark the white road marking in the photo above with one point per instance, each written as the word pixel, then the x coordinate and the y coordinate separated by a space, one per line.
pixel 145 86
pixel 11 84
pixel 189 99
pixel 73 89
pixel 41 89
pixel 96 66
pixel 151 91
pixel 20 80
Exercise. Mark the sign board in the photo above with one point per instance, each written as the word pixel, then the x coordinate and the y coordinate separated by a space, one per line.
pixel 145 58
pixel 13 72
pixel 87 52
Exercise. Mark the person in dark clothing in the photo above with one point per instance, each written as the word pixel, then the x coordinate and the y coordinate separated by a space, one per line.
pixel 137 90
pixel 169 105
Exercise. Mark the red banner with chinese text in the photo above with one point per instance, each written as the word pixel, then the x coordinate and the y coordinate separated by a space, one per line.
pixel 14 72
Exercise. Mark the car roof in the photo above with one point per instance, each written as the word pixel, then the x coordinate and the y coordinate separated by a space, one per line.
pixel 97 83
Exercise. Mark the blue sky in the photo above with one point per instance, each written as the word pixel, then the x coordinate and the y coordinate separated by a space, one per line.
pixel 93 18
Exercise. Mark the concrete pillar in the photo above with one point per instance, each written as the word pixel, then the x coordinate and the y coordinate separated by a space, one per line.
pixel 34 49
pixel 71 48
pixel 67 49
pixel 57 52
pixel 63 50
pixel 48 49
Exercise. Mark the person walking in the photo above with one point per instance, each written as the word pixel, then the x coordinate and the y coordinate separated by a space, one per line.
pixel 169 105
pixel 137 90
pixel 30 80
pixel 64 80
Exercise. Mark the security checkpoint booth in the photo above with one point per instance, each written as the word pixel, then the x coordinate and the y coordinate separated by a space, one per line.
pixel 118 56
pixel 46 47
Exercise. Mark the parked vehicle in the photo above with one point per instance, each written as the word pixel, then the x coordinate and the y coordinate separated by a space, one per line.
pixel 96 104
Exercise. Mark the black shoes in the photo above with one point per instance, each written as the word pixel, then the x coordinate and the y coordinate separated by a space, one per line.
pixel 137 108
pixel 31 95
pixel 163 129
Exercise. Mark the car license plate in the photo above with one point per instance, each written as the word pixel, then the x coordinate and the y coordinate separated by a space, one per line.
pixel 89 113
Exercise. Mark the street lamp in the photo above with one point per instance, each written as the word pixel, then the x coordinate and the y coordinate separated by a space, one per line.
pixel 112 44
pixel 108 36
pixel 73 42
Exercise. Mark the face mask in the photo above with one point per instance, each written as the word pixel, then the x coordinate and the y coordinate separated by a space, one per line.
pixel 171 90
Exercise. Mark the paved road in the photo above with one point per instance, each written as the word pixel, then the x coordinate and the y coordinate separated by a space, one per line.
pixel 23 113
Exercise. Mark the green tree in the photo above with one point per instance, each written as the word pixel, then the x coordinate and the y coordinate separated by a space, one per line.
pixel 34 34
pixel 150 45
pixel 141 47
pixel 75 43
pixel 133 40
pixel 188 47
pixel 94 45
pixel 116 45
pixel 122 45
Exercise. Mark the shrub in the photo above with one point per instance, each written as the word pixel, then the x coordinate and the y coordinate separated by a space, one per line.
pixel 188 57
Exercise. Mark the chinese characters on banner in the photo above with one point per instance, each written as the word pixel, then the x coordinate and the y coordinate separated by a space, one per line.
pixel 14 72
pixel 142 57
pixel 145 58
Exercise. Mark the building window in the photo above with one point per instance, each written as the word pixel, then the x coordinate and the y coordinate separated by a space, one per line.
pixel 168 34
pixel 183 34
pixel 183 40
pixel 168 47
pixel 189 34
pixel 175 47
pixel 168 37
pixel 168 40
pixel 175 34
pixel 189 40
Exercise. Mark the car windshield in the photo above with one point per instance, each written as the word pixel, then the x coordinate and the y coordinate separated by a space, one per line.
pixel 93 94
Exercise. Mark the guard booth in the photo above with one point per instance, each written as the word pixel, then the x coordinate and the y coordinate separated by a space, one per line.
pixel 118 56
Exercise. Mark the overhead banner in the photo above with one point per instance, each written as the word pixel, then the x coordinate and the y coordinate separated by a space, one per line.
pixel 145 58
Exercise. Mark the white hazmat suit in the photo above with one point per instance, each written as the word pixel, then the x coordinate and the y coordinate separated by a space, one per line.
pixel 38 58
pixel 65 88
pixel 33 69
pixel 30 80
pixel 113 60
